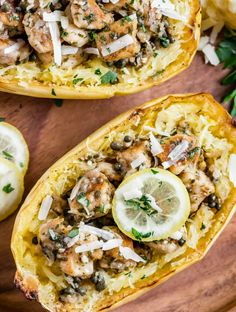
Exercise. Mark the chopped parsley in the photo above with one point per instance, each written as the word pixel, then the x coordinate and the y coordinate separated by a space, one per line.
pixel 139 235
pixel 81 199
pixel 2 119
pixel 165 42
pixel 154 171
pixel 7 155
pixel 98 72
pixel 73 233
pixel 8 188
pixel 202 227
pixel 101 208
pixel 53 92
pixel 227 55
pixel 143 277
pixel 53 235
pixel 76 80
pixel 143 203
pixel 92 35
pixel 193 152
pixel 109 77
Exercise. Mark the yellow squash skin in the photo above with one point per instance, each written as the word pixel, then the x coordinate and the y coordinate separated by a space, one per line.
pixel 189 46
pixel 29 276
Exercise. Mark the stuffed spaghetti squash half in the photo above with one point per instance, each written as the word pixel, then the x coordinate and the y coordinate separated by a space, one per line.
pixel 140 199
pixel 91 49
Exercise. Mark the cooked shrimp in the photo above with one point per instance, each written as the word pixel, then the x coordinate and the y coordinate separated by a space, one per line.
pixel 94 196
pixel 198 184
pixel 88 14
pixel 75 36
pixel 189 156
pixel 137 5
pixel 116 30
pixel 46 58
pixel 10 19
pixel 38 32
pixel 169 245
pixel 51 236
pixel 109 171
pixel 112 259
pixel 81 264
pixel 19 54
pixel 125 158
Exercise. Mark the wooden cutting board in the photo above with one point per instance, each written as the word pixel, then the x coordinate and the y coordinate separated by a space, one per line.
pixel 208 286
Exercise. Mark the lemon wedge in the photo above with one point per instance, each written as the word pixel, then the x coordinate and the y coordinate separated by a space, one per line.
pixel 13 146
pixel 11 187
pixel 151 205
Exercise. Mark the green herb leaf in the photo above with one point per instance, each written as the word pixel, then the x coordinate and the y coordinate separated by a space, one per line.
pixel 233 110
pixel 139 236
pixel 8 188
pixel 202 227
pixel 109 77
pixel 73 233
pixel 81 199
pixel 231 78
pixel 143 277
pixel 102 208
pixel 154 171
pixel 53 235
pixel 7 155
pixel 2 119
pixel 53 92
pixel 193 152
pixel 98 72
pixel 76 80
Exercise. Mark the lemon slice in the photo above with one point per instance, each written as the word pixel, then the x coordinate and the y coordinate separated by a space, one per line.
pixel 11 187
pixel 151 205
pixel 13 146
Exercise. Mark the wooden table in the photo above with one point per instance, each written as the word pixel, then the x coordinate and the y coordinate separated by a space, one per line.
pixel 51 131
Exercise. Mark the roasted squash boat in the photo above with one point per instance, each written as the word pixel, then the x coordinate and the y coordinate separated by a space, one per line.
pixel 91 49
pixel 142 198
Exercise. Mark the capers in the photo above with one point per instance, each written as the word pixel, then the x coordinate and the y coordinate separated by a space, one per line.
pixel 213 202
pixel 127 138
pixel 120 64
pixel 35 240
pixel 116 146
pixel 99 281
pixel 82 291
pixel 118 167
pixel 97 194
pixel 181 241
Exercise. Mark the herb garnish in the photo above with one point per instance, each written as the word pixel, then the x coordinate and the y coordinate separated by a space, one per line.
pixel 2 119
pixel 53 235
pixel 227 55
pixel 154 171
pixel 193 152
pixel 53 92
pixel 7 155
pixel 202 227
pixel 109 77
pixel 81 199
pixel 139 236
pixel 8 188
pixel 143 203
pixel 73 233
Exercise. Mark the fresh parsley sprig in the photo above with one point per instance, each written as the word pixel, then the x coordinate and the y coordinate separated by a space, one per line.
pixel 227 55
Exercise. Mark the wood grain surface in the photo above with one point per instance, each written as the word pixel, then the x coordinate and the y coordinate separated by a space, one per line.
pixel 208 286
